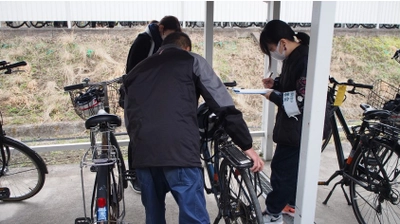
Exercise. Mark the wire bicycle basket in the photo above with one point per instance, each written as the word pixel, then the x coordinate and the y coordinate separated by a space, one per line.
pixel 88 98
pixel 383 95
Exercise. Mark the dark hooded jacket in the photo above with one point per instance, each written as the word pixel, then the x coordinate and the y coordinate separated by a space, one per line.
pixel 145 44
pixel 162 95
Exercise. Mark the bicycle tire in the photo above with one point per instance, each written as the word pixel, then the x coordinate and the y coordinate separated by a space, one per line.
pixel 15 24
pixel 82 24
pixel 238 201
pixel 25 173
pixel 114 142
pixel 38 24
pixel 377 201
pixel 326 141
pixel 109 184
pixel 117 184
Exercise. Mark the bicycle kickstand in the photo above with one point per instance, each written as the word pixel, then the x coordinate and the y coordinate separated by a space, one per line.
pixel 342 183
pixel 218 218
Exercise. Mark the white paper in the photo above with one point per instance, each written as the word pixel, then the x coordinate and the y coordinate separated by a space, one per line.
pixel 251 91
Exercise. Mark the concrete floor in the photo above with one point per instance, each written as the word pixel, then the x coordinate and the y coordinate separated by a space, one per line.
pixel 60 200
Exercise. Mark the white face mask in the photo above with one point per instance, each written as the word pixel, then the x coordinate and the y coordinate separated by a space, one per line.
pixel 277 55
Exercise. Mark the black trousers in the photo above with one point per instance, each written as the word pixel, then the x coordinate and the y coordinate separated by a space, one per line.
pixel 284 172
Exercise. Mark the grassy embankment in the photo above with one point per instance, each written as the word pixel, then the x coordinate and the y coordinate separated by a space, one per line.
pixel 36 95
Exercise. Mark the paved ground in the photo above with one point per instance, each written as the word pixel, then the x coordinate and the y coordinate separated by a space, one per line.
pixel 60 202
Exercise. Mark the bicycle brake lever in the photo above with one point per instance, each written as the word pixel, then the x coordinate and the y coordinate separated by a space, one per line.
pixel 353 91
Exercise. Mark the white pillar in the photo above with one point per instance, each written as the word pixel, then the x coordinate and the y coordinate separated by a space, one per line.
pixel 323 17
pixel 268 118
pixel 209 31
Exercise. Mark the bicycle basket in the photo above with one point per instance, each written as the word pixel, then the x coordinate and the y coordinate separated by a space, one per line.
pixel 89 103
pixel 384 96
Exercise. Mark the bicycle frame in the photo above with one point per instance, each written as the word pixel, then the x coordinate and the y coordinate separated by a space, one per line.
pixel 351 135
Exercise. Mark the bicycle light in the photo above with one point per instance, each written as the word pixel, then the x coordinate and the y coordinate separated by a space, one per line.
pixel 102 209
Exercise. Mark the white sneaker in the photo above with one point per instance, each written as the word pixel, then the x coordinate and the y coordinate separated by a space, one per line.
pixel 271 219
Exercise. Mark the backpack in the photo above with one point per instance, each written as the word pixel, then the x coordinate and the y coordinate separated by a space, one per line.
pixel 122 89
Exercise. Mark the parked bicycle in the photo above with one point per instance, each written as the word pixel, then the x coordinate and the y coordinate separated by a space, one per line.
pixel 226 172
pixel 94 102
pixel 371 169
pixel 22 170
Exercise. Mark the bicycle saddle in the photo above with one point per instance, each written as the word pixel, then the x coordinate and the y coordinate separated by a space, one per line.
pixel 372 113
pixel 101 118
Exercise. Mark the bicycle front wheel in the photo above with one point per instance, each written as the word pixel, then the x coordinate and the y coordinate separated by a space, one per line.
pixel 238 201
pixel 375 191
pixel 24 175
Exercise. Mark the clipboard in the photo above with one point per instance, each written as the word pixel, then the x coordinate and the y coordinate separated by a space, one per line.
pixel 251 91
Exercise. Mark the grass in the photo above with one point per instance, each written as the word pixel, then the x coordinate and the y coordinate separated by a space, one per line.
pixel 36 95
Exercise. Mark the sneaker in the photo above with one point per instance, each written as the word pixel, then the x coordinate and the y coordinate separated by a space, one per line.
pixel 135 186
pixel 272 219
pixel 288 210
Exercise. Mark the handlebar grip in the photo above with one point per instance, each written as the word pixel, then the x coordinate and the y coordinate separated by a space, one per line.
pixel 18 64
pixel 74 87
pixel 363 86
pixel 5 66
pixel 230 84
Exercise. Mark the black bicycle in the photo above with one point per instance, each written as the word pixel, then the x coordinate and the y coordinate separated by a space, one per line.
pixel 94 102
pixel 226 172
pixel 22 170
pixel 371 169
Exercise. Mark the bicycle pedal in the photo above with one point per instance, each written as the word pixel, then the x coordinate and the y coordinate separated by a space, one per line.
pixel 4 193
pixel 130 175
pixel 93 169
pixel 83 220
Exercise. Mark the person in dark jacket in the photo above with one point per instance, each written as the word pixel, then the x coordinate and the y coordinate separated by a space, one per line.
pixel 148 42
pixel 145 45
pixel 287 92
pixel 162 94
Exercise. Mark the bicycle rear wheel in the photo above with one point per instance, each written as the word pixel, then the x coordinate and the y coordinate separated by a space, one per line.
pixel 375 196
pixel 118 183
pixel 238 201
pixel 24 174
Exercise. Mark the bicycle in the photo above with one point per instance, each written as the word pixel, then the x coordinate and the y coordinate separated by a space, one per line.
pixel 17 24
pixel 22 170
pixel 370 170
pixel 94 103
pixel 226 172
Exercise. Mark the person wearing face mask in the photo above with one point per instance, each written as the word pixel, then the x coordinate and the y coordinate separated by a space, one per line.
pixel 279 41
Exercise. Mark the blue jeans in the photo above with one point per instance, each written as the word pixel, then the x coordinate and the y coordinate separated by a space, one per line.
pixel 284 172
pixel 186 186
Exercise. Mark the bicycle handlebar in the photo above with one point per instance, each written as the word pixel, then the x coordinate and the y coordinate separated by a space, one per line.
pixel 230 84
pixel 350 82
pixel 86 83
pixel 8 66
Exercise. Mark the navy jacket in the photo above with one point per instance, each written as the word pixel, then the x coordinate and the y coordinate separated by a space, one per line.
pixel 162 98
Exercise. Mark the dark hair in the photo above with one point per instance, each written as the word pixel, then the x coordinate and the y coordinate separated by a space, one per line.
pixel 171 23
pixel 178 38
pixel 275 30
